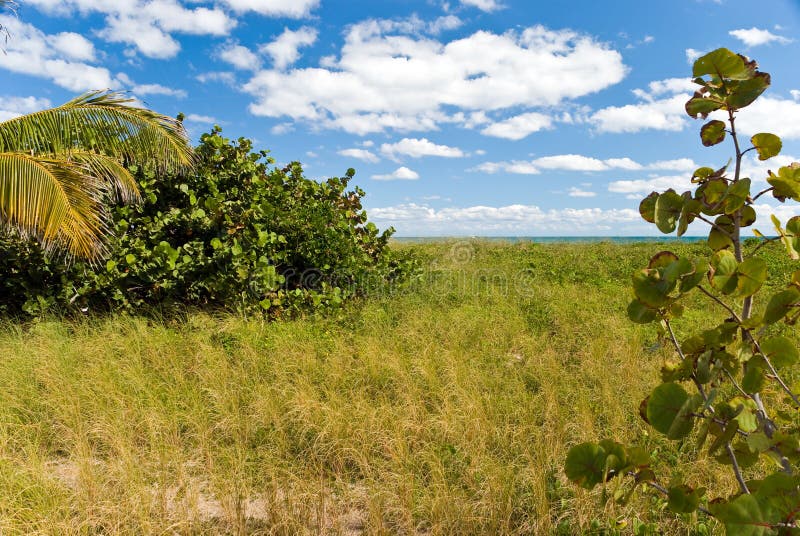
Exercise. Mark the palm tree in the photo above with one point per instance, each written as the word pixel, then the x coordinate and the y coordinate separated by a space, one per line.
pixel 60 167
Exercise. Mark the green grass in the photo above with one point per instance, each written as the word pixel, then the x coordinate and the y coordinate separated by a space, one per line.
pixel 443 408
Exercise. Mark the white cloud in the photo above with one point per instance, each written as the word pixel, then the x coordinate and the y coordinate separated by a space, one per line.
pixel 758 170
pixel 225 77
pixel 679 164
pixel 157 89
pixel 145 24
pixel 285 49
pixel 770 114
pixel 205 119
pixel 516 167
pixel 578 192
pixel 32 52
pixel 413 219
pixel 795 93
pixel 417 148
pixel 483 5
pixel 519 126
pixel 754 37
pixel 449 22
pixel 679 183
pixel 401 173
pixel 73 46
pixel 692 55
pixel 661 108
pixel 405 82
pixel 11 107
pixel 570 162
pixel 360 154
pixel 240 57
pixel 275 8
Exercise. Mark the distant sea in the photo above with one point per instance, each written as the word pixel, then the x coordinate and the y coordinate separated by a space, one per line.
pixel 552 239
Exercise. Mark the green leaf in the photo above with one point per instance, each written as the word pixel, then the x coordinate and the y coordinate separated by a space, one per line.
pixel 640 313
pixel 751 274
pixel 712 133
pixel 701 174
pixel 758 442
pixel 736 196
pixel 753 379
pixel 780 350
pixel 647 207
pixel 699 106
pixel 684 500
pixel 786 183
pixel 662 259
pixel 586 465
pixel 668 408
pixel 744 516
pixel 780 304
pixel 745 92
pixel 722 64
pixel 723 272
pixel 651 289
pixel 667 211
pixel 767 145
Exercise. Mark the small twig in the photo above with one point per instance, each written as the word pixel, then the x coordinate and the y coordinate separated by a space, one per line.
pixel 733 381
pixel 661 489
pixel 759 194
pixel 722 303
pixel 773 370
pixel 764 243
pixel 683 358
pixel 737 471
pixel 715 226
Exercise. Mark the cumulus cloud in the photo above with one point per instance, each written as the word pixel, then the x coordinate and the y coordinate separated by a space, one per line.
pixel 519 126
pixel 401 173
pixel 770 114
pixel 385 78
pixel 679 183
pixel 483 5
pixel 239 56
pixel 34 53
pixel 226 77
pixel 360 154
pixel 579 192
pixel 141 90
pixel 577 162
pixel 204 119
pixel 275 8
pixel 661 107
pixel 753 37
pixel 147 25
pixel 417 148
pixel 422 220
pixel 285 49
pixel 11 107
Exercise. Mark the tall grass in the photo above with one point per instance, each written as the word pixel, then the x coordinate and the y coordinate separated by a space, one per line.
pixel 443 408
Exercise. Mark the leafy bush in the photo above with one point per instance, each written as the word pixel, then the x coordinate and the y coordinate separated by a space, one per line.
pixel 236 234
pixel 730 385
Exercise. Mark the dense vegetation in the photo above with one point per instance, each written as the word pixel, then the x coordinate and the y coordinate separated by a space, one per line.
pixel 741 407
pixel 235 234
pixel 446 407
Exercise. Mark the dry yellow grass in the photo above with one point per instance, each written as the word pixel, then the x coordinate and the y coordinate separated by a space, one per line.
pixel 443 408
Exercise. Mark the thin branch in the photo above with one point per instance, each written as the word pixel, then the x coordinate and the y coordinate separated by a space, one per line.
pixel 748 150
pixel 683 358
pixel 772 369
pixel 737 471
pixel 722 303
pixel 735 384
pixel 661 489
pixel 715 226
pixel 762 192
pixel 764 243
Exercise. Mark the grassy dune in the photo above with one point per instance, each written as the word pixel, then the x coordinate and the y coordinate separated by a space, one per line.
pixel 443 408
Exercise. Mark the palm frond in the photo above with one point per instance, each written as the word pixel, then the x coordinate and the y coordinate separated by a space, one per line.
pixel 61 202
pixel 103 122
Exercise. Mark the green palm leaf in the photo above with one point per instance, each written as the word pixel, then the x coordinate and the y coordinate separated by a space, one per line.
pixel 59 167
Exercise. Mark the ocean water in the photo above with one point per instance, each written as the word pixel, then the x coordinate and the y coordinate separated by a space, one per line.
pixel 554 239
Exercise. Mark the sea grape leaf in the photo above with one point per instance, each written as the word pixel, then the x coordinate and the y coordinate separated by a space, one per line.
pixel 745 92
pixel 723 272
pixel 682 499
pixel 744 516
pixel 780 350
pixel 640 313
pixel 586 465
pixel 667 211
pixel 722 64
pixel 751 274
pixel 780 304
pixel 700 106
pixel 767 145
pixel 647 207
pixel 712 133
pixel 786 184
pixel 667 410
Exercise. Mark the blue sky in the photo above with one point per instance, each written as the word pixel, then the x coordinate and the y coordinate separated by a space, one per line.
pixel 461 117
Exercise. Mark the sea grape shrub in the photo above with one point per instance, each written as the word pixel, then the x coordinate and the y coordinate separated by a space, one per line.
pixel 726 386
pixel 237 234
